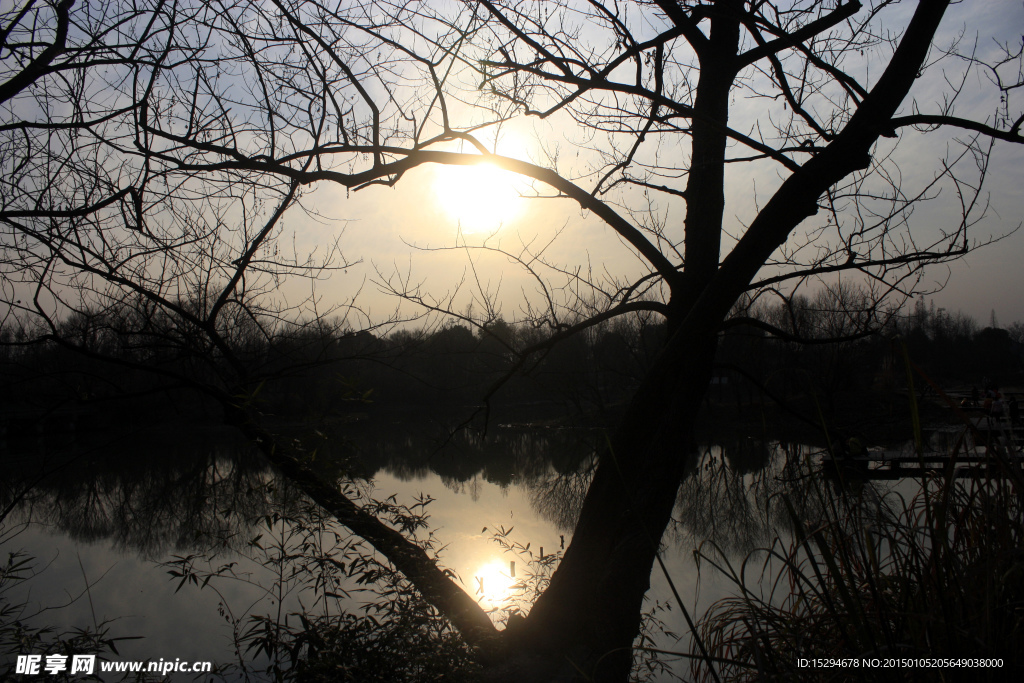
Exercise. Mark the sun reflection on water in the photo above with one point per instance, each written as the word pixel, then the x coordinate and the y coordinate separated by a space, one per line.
pixel 494 583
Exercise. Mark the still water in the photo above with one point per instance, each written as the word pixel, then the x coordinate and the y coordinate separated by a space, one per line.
pixel 113 525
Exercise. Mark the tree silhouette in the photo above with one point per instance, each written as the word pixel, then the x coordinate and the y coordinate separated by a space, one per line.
pixel 216 115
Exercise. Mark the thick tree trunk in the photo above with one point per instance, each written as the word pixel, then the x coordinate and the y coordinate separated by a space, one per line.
pixel 588 618
pixel 590 615
pixel 586 621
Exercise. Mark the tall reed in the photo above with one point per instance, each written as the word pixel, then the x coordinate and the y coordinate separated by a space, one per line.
pixel 936 571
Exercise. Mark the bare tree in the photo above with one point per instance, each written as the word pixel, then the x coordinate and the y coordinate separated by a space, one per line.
pixel 115 229
pixel 225 110
pixel 95 226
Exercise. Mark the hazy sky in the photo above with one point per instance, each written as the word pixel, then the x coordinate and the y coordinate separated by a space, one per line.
pixel 413 237
pixel 390 229
pixel 993 277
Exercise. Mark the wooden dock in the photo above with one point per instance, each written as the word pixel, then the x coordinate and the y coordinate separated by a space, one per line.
pixel 904 467
pixel 984 448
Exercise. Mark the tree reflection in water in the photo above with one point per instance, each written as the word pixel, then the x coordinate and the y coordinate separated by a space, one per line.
pixel 147 494
pixel 212 506
pixel 212 513
pixel 731 499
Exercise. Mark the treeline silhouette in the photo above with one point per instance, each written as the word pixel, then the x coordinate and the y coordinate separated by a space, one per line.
pixel 114 371
pixel 846 366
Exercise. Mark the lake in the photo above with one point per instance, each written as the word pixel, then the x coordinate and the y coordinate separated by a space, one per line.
pixel 173 539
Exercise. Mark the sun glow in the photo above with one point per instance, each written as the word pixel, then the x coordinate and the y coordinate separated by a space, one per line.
pixel 494 583
pixel 479 198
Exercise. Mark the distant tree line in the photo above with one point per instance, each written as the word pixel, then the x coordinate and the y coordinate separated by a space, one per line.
pixel 854 380
pixel 322 369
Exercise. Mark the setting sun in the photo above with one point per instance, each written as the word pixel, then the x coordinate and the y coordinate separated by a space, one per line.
pixel 478 198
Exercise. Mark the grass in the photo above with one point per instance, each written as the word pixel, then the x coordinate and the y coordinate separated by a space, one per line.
pixel 933 569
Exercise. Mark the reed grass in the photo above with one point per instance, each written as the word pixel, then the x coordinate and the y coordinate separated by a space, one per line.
pixel 937 572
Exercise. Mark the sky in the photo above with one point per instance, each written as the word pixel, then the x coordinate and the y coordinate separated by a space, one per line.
pixel 451 236
pixel 409 235
pixel 991 278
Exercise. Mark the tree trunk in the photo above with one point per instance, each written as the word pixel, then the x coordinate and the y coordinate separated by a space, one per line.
pixel 584 624
pixel 586 621
pixel 588 618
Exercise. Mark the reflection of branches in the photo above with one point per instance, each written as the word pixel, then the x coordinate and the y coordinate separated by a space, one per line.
pixel 560 498
pixel 154 505
pixel 731 500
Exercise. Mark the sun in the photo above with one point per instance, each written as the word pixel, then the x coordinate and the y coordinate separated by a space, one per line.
pixel 478 198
